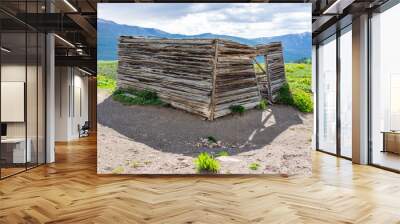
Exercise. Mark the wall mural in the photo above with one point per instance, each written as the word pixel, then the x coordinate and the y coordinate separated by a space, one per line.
pixel 204 89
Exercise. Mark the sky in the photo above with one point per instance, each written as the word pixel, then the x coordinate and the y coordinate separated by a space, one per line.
pixel 248 20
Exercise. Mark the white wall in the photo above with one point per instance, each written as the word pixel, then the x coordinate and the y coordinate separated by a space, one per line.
pixel 62 81
pixel 70 83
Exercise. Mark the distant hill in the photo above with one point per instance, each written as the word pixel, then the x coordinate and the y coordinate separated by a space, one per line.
pixel 296 46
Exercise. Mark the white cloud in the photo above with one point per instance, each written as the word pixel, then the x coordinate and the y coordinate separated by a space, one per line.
pixel 248 20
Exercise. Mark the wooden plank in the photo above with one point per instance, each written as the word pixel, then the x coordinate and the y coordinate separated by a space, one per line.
pixel 214 79
pixel 275 67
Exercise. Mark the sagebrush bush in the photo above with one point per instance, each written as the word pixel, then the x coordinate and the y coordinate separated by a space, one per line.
pixel 237 109
pixel 205 162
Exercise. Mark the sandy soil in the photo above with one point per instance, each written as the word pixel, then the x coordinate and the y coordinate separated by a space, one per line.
pixel 160 140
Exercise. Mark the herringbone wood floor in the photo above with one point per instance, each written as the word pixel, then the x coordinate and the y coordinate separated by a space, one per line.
pixel 69 191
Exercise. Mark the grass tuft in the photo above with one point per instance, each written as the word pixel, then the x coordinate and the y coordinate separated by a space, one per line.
pixel 205 162
pixel 237 109
pixel 135 97
pixel 263 104
pixel 254 166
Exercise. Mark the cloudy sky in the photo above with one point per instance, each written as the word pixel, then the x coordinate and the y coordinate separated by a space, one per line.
pixel 247 20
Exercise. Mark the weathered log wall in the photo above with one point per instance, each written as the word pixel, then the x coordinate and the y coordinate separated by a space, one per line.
pixel 179 71
pixel 201 76
pixel 236 82
pixel 275 67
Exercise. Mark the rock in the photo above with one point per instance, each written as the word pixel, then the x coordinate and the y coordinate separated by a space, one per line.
pixel 228 159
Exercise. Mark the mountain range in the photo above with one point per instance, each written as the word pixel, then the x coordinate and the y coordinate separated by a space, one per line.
pixel 296 46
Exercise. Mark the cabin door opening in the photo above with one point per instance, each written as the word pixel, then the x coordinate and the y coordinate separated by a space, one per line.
pixel 261 73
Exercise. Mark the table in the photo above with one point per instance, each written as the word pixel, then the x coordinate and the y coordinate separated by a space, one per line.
pixel 19 155
pixel 391 141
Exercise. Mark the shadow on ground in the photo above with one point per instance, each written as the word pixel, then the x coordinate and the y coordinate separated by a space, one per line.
pixel 176 131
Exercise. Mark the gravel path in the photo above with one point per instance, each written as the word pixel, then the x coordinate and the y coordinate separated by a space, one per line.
pixel 160 140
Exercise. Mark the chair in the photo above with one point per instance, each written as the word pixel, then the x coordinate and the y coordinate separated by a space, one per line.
pixel 84 130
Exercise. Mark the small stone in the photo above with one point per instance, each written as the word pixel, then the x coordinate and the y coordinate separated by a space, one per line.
pixel 227 159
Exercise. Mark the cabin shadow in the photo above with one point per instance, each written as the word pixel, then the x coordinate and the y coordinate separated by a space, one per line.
pixel 175 131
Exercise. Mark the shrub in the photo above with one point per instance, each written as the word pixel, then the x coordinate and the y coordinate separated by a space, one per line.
pixel 285 96
pixel 254 166
pixel 205 162
pixel 297 98
pixel 237 109
pixel 263 104
pixel 302 101
pixel 212 139
pixel 134 97
pixel 222 153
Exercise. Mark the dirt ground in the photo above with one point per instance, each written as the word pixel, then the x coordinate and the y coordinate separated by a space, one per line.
pixel 160 140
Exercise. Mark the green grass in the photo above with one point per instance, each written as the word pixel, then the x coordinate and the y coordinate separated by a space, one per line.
pixel 107 75
pixel 205 162
pixel 263 104
pixel 237 109
pixel 297 92
pixel 254 166
pixel 134 97
pixel 107 68
pixel 105 82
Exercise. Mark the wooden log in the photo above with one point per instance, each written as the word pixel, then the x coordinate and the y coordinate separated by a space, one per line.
pixel 202 76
